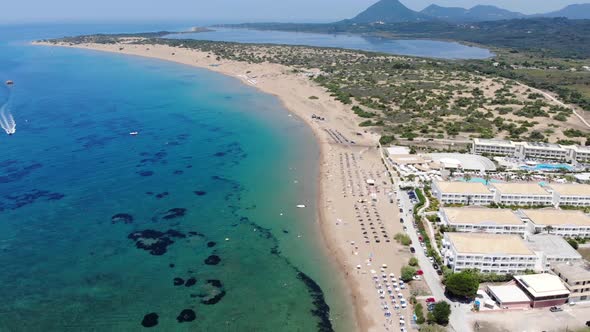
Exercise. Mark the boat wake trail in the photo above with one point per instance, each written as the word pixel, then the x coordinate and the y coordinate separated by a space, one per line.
pixel 6 120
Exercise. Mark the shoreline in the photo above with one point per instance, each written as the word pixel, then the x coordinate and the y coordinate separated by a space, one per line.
pixel 293 90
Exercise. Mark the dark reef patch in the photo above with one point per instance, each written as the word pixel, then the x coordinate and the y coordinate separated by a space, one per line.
pixel 155 158
pixel 178 172
pixel 193 233
pixel 200 193
pixel 212 260
pixel 162 195
pixel 211 244
pixel 219 154
pixel 12 172
pixel 187 315
pixel 145 173
pixel 215 299
pixel 190 282
pixel 94 141
pixel 150 320
pixel 124 218
pixel 215 283
pixel 174 213
pixel 322 310
pixel 14 202
pixel 155 242
pixel 178 281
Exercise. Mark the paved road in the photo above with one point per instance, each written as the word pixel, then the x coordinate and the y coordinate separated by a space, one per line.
pixel 458 319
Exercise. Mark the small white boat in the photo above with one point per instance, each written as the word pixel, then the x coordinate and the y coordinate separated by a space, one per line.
pixel 300 206
pixel 9 82
pixel 133 133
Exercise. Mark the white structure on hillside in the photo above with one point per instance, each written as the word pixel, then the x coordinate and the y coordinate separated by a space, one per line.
pixel 531 150
pixel 483 220
pixel 566 223
pixel 493 147
pixel 498 253
pixel 462 193
pixel 531 194
pixel 570 194
pixel 551 249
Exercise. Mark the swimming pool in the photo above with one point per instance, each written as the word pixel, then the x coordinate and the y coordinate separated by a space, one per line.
pixel 548 167
pixel 479 180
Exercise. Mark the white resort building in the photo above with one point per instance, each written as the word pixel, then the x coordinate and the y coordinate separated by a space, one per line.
pixel 538 150
pixel 531 194
pixel 462 193
pixel 498 253
pixel 493 147
pixel 566 223
pixel 576 276
pixel 551 249
pixel 570 194
pixel 482 220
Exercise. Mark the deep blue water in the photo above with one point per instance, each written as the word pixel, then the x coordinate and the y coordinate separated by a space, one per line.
pixel 96 224
pixel 421 48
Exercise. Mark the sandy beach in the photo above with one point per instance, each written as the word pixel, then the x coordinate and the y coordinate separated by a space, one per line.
pixel 357 219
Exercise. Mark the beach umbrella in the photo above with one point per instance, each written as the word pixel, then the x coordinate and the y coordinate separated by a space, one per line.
pixel 384 266
pixel 358 267
pixel 373 271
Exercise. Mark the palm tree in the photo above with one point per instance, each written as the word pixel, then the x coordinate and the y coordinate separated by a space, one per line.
pixel 548 229
pixel 487 177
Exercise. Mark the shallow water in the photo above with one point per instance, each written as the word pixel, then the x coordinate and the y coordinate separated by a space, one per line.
pixel 216 170
pixel 421 48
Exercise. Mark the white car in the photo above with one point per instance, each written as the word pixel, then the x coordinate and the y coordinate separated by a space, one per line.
pixel 417 278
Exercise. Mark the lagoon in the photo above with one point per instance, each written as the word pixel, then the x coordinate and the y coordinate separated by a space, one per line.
pixel 419 48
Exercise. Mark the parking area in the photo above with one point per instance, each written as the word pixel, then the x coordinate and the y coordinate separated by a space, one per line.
pixel 534 320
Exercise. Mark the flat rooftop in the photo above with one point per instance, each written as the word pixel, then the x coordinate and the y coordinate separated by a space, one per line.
pixel 509 294
pixel 520 189
pixel 554 246
pixel 482 216
pixel 540 285
pixel 488 244
pixel 465 160
pixel 571 189
pixel 483 141
pixel 408 159
pixel 552 217
pixel 542 145
pixel 576 271
pixel 463 187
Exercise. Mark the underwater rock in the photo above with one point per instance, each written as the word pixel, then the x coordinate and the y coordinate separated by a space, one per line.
pixel 219 154
pixel 178 281
pixel 214 299
pixel 212 260
pixel 155 242
pixel 190 282
pixel 16 201
pixel 178 172
pixel 122 218
pixel 211 244
pixel 174 213
pixel 200 193
pixel 162 195
pixel 171 265
pixel 215 283
pixel 187 315
pixel 145 173
pixel 150 320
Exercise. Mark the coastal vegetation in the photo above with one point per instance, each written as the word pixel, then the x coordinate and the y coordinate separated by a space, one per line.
pixel 404 98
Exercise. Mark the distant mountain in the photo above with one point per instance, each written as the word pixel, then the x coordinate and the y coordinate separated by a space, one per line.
pixel 388 11
pixel 573 12
pixel 476 14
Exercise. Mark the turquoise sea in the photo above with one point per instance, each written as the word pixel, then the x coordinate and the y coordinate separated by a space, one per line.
pixel 191 224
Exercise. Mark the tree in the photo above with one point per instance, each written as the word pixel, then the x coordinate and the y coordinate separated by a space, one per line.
pixel 419 312
pixel 462 284
pixel 413 261
pixel 548 229
pixel 487 177
pixel 441 312
pixel 432 328
pixel 573 243
pixel 467 177
pixel 408 273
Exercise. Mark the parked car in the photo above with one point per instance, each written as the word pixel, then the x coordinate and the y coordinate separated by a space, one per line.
pixel 417 277
pixel 555 309
pixel 435 266
pixel 439 272
pixel 401 220
pixel 412 250
pixel 430 300
pixel 431 259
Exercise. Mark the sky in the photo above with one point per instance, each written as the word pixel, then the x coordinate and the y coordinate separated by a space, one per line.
pixel 230 11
